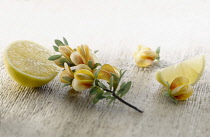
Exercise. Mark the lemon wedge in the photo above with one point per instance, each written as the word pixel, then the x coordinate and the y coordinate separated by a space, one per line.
pixel 27 63
pixel 191 68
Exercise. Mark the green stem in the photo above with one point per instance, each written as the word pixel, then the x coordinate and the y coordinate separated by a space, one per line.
pixel 123 101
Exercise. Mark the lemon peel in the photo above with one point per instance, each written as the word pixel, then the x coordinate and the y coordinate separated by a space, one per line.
pixel 191 68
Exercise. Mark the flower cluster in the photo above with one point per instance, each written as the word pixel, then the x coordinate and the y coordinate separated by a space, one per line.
pixel 82 71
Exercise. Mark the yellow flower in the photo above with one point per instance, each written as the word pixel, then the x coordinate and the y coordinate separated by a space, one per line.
pixel 66 51
pixel 82 66
pixel 66 74
pixel 83 55
pixel 180 88
pixel 80 80
pixel 106 70
pixel 144 56
pixel 83 79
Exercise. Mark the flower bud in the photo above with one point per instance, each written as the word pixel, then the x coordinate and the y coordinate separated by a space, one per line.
pixel 94 58
pixel 66 73
pixel 180 88
pixel 83 80
pixel 106 70
pixel 65 51
pixel 76 58
pixel 144 56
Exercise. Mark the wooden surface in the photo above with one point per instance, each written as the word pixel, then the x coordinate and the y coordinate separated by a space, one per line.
pixel 114 27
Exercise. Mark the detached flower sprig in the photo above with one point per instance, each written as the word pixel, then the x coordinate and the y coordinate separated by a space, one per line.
pixel 179 89
pixel 82 71
pixel 144 56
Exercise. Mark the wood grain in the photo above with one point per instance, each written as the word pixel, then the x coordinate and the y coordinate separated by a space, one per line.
pixel 182 30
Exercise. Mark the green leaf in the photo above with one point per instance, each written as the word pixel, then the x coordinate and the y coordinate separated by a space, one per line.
pixel 69 79
pixel 66 84
pixel 116 78
pixel 110 97
pixel 95 82
pixel 59 43
pixel 97 72
pixel 122 73
pixel 124 88
pixel 54 57
pixel 166 94
pixel 90 63
pixel 93 90
pixel 111 100
pixel 96 51
pixel 63 60
pixel 95 100
pixel 116 81
pixel 158 50
pixel 70 64
pixel 174 100
pixel 107 95
pixel 111 82
pixel 168 86
pixel 55 48
pixel 96 65
pixel 121 87
pixel 157 58
pixel 65 41
pixel 98 96
pixel 102 85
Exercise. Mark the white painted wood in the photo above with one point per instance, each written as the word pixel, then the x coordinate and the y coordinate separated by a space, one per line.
pixel 114 27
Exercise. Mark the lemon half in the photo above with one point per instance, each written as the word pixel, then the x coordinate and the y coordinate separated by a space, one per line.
pixel 191 68
pixel 27 63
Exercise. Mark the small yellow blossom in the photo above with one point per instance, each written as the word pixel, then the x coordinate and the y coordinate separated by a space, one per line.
pixel 67 72
pixel 180 88
pixel 82 66
pixel 144 56
pixel 83 79
pixel 106 70
pixel 66 51
pixel 80 80
pixel 83 55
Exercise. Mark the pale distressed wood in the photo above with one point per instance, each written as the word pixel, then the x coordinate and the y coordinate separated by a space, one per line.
pixel 180 27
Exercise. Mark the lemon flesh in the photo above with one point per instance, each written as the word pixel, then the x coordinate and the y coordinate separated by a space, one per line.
pixel 27 63
pixel 191 68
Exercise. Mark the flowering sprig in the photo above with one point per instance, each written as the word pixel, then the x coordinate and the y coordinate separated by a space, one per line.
pixel 82 71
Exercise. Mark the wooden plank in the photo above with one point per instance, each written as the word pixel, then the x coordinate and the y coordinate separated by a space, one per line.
pixel 115 29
